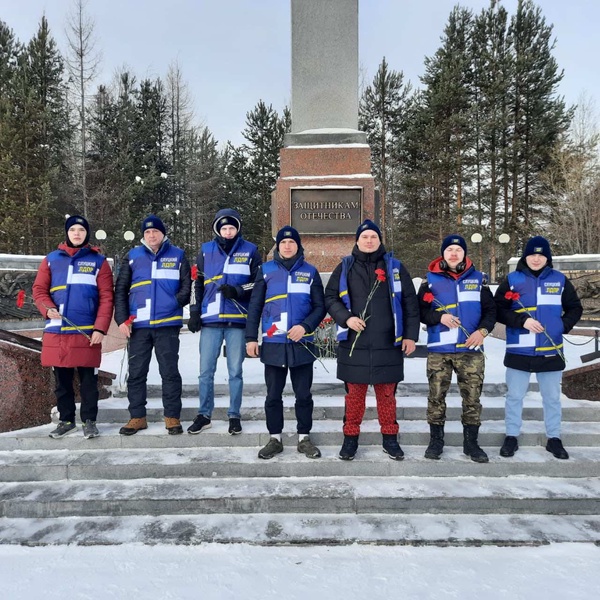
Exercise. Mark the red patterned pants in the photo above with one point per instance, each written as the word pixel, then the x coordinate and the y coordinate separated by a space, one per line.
pixel 355 407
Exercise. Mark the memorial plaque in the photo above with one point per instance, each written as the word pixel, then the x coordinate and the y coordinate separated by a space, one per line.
pixel 326 211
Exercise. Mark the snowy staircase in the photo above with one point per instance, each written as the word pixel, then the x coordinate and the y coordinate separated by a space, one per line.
pixel 187 489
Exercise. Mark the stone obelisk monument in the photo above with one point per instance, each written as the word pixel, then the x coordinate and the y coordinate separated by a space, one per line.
pixel 325 188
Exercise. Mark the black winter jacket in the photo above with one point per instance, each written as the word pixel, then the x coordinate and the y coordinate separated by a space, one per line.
pixel 375 359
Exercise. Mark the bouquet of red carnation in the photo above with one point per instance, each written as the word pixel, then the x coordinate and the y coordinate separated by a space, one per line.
pixel 431 299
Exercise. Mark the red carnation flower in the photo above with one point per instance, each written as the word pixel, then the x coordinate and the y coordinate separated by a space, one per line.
pixel 428 297
pixel 272 330
pixel 130 320
pixel 516 296
pixel 195 272
pixel 20 298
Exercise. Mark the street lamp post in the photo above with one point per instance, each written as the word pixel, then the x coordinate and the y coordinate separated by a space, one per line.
pixel 502 239
pixel 128 236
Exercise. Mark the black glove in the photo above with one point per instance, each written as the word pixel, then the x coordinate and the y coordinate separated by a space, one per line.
pixel 228 291
pixel 194 324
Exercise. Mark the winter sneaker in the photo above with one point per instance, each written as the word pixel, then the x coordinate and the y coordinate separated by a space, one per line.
pixel 173 426
pixel 555 446
pixel 510 446
pixel 349 447
pixel 436 442
pixel 90 430
pixel 133 426
pixel 306 447
pixel 235 427
pixel 64 428
pixel 271 449
pixel 200 423
pixel 392 447
pixel 471 446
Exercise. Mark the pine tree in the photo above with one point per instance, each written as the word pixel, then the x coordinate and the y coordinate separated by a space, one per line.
pixel 382 116
pixel 253 171
pixel 41 143
pixel 449 136
pixel 492 76
pixel 539 116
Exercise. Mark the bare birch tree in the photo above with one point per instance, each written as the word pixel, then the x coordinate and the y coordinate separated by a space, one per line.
pixel 82 62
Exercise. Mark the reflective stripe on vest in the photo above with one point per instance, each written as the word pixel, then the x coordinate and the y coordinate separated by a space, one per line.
pixel 461 298
pixel 288 301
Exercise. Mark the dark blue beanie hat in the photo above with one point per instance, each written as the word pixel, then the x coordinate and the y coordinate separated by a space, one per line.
pixel 365 226
pixel 538 245
pixel 452 240
pixel 286 233
pixel 153 222
pixel 77 220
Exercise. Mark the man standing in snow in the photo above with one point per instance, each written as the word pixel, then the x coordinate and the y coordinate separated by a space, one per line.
pixel 227 268
pixel 538 304
pixel 153 286
pixel 289 301
pixel 459 311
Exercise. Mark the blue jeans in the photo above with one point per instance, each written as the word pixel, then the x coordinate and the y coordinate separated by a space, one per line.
pixel 518 382
pixel 211 340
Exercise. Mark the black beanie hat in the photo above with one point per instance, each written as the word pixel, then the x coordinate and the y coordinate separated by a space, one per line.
pixel 366 225
pixel 77 220
pixel 288 232
pixel 538 245
pixel 227 219
pixel 153 222
pixel 452 240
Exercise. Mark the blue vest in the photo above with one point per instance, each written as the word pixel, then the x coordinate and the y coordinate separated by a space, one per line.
pixel 461 298
pixel 542 297
pixel 154 285
pixel 220 269
pixel 74 289
pixel 287 300
pixel 392 268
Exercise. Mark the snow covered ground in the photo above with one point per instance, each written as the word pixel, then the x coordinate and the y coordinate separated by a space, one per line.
pixel 242 572
pixel 246 572
pixel 414 368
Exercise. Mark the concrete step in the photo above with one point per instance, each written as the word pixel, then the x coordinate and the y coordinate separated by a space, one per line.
pixel 325 432
pixel 327 495
pixel 333 387
pixel 412 408
pixel 212 462
pixel 314 529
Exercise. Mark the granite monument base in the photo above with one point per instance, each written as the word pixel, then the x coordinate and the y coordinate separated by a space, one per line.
pixel 325 190
pixel 27 388
pixel 582 383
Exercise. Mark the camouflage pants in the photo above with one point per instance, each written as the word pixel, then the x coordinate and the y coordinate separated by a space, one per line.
pixel 469 369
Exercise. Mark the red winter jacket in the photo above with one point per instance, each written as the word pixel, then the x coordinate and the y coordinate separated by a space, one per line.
pixel 73 350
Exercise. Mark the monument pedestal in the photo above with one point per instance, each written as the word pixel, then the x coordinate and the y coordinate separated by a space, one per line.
pixel 325 190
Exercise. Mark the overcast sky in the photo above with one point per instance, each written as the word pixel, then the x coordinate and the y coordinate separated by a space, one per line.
pixel 235 52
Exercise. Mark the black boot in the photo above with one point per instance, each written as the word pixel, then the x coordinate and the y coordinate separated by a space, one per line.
pixel 349 447
pixel 436 442
pixel 392 447
pixel 470 446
